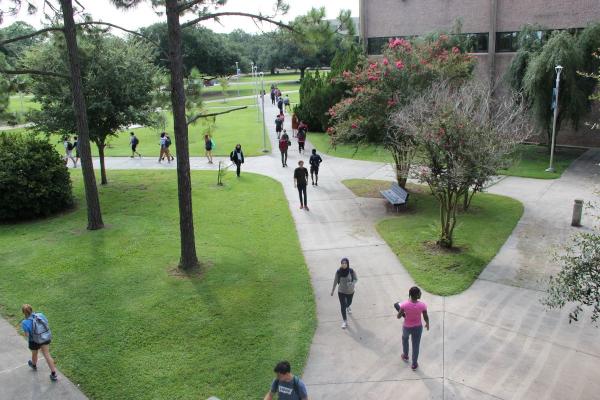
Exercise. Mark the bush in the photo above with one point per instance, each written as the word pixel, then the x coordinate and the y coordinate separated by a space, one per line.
pixel 34 181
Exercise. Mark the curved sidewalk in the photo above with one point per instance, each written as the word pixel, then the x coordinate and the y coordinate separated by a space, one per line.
pixel 494 341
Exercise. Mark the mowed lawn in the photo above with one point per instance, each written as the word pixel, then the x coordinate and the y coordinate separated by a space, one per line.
pixel 361 152
pixel 478 236
pixel 126 328
pixel 531 161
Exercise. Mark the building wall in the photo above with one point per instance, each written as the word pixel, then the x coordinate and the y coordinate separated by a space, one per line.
pixel 513 14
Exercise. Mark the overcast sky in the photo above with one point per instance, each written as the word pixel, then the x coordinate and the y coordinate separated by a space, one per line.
pixel 144 15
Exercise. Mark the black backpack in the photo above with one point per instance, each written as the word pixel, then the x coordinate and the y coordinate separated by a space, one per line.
pixel 69 146
pixel 168 142
pixel 136 140
pixel 295 381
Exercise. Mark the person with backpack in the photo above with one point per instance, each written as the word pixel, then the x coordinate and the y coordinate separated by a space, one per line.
pixel 208 147
pixel 35 328
pixel 412 310
pixel 162 142
pixel 280 105
pixel 346 278
pixel 69 152
pixel 76 147
pixel 167 151
pixel 272 95
pixel 134 141
pixel 286 103
pixel 284 143
pixel 314 161
pixel 301 136
pixel 237 157
pixel 278 126
pixel 286 385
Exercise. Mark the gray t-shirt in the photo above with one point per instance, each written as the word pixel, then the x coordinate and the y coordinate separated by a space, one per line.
pixel 286 390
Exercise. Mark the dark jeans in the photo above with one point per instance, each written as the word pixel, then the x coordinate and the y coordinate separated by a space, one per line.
pixel 415 334
pixel 302 190
pixel 345 302
pixel 283 157
pixel 300 146
pixel 239 165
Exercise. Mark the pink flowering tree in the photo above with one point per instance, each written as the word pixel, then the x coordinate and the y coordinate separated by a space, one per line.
pixel 465 135
pixel 381 87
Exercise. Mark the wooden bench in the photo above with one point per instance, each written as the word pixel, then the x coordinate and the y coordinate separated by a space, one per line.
pixel 395 195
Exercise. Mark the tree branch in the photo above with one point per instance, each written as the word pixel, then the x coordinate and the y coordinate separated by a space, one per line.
pixel 30 35
pixel 239 14
pixel 188 5
pixel 197 117
pixel 32 72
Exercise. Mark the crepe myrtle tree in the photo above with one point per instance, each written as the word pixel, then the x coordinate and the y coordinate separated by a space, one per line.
pixel 465 135
pixel 381 87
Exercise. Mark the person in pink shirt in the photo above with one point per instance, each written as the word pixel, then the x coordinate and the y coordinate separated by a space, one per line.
pixel 411 310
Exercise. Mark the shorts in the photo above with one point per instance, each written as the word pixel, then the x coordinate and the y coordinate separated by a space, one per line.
pixel 69 154
pixel 314 170
pixel 37 346
pixel 278 130
pixel 133 147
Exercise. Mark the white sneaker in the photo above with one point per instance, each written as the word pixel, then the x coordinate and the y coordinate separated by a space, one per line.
pixel 344 325
pixel 349 310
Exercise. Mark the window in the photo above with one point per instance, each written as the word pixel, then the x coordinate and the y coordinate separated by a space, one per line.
pixel 506 42
pixel 375 45
pixel 476 42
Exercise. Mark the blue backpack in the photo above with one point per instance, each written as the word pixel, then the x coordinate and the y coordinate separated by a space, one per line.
pixel 40 331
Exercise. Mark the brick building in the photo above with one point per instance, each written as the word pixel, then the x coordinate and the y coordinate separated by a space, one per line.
pixel 492 24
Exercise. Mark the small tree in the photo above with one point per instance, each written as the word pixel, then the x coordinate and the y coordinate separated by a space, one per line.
pixel 224 83
pixel 379 88
pixel 120 79
pixel 465 135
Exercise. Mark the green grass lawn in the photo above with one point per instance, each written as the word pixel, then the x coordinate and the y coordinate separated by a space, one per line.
pixel 478 236
pixel 367 153
pixel 531 161
pixel 16 106
pixel 125 328
pixel 244 90
pixel 292 76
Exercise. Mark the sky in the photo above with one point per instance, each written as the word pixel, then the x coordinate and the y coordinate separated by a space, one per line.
pixel 143 15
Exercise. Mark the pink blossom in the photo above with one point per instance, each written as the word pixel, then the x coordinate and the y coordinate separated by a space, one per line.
pixel 391 103
pixel 373 66
pixel 332 112
pixel 354 126
pixel 373 78
pixel 399 64
pixel 385 61
pixel 455 50
pixel 347 74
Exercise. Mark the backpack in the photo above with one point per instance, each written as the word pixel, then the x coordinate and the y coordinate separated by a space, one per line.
pixel 69 146
pixel 295 381
pixel 40 331
pixel 286 101
pixel 168 142
pixel 135 140
pixel 283 144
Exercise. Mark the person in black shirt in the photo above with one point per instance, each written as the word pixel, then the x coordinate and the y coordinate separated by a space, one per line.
pixel 300 182
pixel 237 157
pixel 315 161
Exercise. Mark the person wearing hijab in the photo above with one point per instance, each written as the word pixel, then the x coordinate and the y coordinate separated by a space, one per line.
pixel 346 278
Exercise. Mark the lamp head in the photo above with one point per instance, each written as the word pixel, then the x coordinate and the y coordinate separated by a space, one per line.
pixel 558 69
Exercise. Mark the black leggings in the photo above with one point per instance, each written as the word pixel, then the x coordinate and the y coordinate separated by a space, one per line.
pixel 283 157
pixel 302 190
pixel 238 164
pixel 345 302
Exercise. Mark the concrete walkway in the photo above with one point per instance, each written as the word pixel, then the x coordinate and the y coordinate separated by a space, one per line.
pixel 494 341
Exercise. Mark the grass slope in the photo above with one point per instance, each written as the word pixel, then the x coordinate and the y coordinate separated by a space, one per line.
pixel 479 234
pixel 532 161
pixel 126 329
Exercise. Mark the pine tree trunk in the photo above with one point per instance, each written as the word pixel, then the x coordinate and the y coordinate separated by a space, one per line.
pixel 94 214
pixel 101 147
pixel 302 71
pixel 188 258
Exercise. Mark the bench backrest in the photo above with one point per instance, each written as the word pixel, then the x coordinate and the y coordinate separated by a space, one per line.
pixel 402 194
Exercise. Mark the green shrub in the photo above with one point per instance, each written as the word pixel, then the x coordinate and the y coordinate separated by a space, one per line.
pixel 34 181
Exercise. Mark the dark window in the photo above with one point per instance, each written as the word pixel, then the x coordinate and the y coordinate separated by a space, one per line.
pixel 476 42
pixel 506 42
pixel 375 45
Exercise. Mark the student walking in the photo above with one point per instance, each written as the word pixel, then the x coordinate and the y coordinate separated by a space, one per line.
pixel 35 328
pixel 346 278
pixel 295 123
pixel 167 151
pixel 278 126
pixel 284 143
pixel 280 104
pixel 134 141
pixel 411 310
pixel 286 385
pixel 314 161
pixel 76 147
pixel 301 136
pixel 300 182
pixel 286 103
pixel 272 95
pixel 208 147
pixel 69 152
pixel 162 142
pixel 237 156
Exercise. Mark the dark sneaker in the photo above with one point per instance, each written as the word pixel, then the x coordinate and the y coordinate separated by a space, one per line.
pixel 53 377
pixel 404 358
pixel 32 365
pixel 415 366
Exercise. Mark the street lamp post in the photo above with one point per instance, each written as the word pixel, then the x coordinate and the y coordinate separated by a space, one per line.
pixel 262 97
pixel 237 81
pixel 558 69
pixel 256 92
